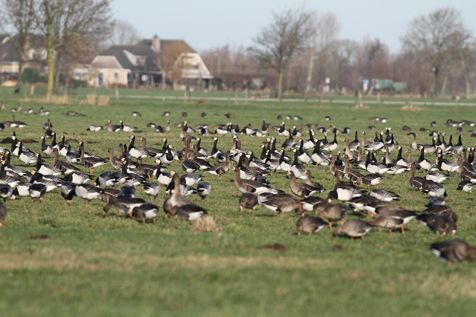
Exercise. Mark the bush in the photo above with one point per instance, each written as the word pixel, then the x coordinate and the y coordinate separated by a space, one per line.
pixel 30 76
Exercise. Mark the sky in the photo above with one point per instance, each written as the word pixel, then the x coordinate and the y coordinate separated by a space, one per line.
pixel 207 24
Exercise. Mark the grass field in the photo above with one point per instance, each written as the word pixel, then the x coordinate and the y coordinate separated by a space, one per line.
pixel 71 261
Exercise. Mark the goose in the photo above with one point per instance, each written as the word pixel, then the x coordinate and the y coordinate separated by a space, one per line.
pixel 37 191
pixel 309 203
pixel 331 146
pixel 203 189
pixel 303 189
pixel 113 127
pixel 123 204
pixel 87 192
pixel 249 186
pixel 384 195
pixel 388 222
pixel 281 203
pixel 355 144
pixel 453 251
pixel 309 225
pixel 373 167
pixel 138 153
pixel 48 149
pixel 372 179
pixel 94 128
pixel 434 189
pixel 162 176
pixel 215 152
pixel 15 124
pixel 190 212
pixel 330 212
pixel 91 162
pixel 67 191
pixel 366 204
pixel 6 191
pixel 439 219
pixel 151 151
pixel 26 156
pixel 302 155
pixel 44 169
pixel 436 176
pixel 221 168
pixel 248 201
pixel 151 189
pixel 396 212
pixel 3 214
pixel 297 168
pixel 108 179
pixel 458 147
pixel 318 157
pixel 77 178
pixel 466 186
pixel 416 182
pixel 145 212
pixel 310 143
pixel 377 143
pixel 167 156
pixel 126 128
pixel 400 161
pixel 352 229
pixel 446 165
pixel 176 200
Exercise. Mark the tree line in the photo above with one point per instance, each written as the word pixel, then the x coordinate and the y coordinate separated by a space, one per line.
pixel 301 49
pixel 297 51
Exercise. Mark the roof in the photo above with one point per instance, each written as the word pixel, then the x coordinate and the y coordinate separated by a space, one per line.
pixel 8 46
pixel 133 57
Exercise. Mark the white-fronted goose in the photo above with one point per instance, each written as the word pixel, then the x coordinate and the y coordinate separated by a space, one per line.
pixel 454 251
pixel 309 225
pixel 352 229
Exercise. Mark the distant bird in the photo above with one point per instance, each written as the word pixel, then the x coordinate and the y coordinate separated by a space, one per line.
pixel 454 251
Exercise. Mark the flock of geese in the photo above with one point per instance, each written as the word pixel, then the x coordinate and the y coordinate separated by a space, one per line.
pixel 358 164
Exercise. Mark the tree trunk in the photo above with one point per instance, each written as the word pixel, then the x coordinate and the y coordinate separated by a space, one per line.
pixel 50 51
pixel 443 85
pixel 468 85
pixel 57 72
pixel 163 79
pixel 436 83
pixel 280 84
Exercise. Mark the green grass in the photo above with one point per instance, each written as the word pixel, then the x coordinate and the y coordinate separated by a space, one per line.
pixel 57 260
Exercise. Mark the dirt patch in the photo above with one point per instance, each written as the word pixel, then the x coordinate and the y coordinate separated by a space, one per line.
pixel 412 108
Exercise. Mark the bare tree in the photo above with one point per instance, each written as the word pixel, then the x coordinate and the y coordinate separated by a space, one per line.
pixel 326 27
pixel 277 43
pixel 123 33
pixel 62 22
pixel 19 17
pixel 436 37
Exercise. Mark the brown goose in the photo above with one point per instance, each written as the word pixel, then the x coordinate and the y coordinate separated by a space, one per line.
pixel 439 219
pixel 309 225
pixel 248 201
pixel 454 251
pixel 177 204
pixel 303 189
pixel 249 186
pixel 330 212
pixel 352 229
pixel 280 203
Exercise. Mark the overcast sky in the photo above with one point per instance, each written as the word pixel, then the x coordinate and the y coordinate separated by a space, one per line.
pixel 207 24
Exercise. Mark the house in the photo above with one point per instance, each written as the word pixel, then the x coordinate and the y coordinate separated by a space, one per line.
pixel 35 55
pixel 125 65
pixel 150 62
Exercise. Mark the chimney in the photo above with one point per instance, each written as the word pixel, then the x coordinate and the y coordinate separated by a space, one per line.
pixel 155 45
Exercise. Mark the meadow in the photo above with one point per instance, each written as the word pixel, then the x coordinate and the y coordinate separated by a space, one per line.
pixel 58 260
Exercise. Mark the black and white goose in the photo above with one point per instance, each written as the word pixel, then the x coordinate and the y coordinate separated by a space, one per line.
pixel 25 155
pixel 138 153
pixel 318 157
